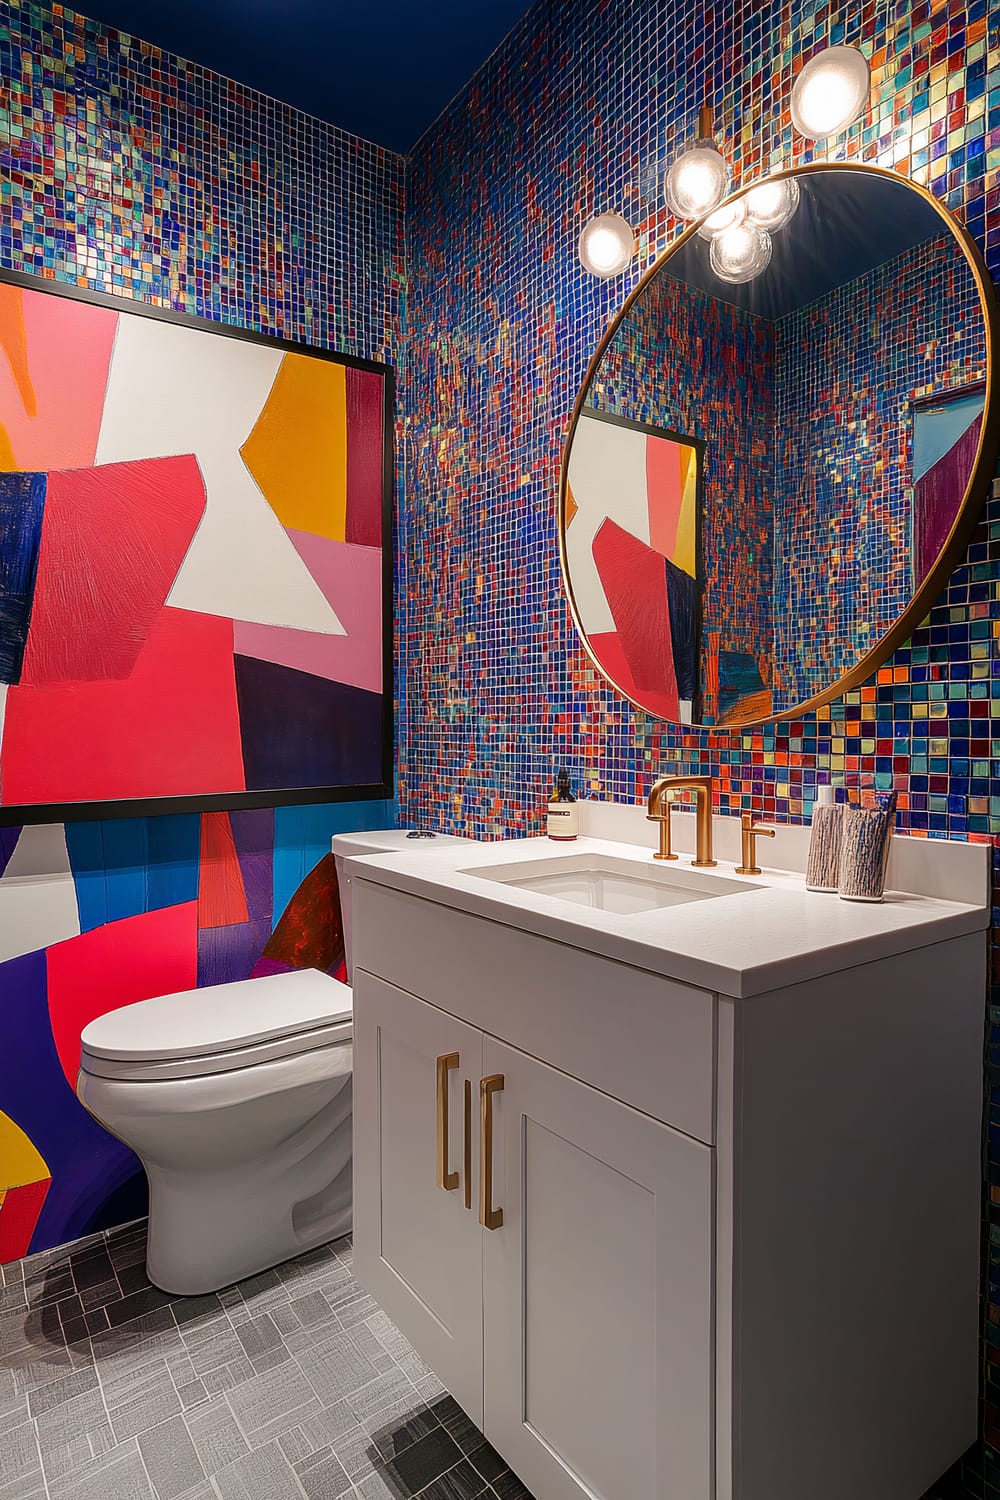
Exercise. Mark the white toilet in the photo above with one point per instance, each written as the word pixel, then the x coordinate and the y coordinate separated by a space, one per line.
pixel 237 1101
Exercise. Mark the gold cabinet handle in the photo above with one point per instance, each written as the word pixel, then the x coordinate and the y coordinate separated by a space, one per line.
pixel 468 1144
pixel 446 1181
pixel 489 1217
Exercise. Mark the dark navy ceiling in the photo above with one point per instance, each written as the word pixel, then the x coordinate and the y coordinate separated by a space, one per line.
pixel 847 223
pixel 382 69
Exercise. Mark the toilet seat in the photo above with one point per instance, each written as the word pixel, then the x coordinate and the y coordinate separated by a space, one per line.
pixel 220 1028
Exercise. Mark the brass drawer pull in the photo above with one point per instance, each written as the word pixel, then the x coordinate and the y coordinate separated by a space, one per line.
pixel 468 1144
pixel 489 1217
pixel 446 1181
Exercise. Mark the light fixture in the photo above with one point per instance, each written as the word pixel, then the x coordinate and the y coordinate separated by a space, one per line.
pixel 697 180
pixel 830 92
pixel 770 205
pixel 740 254
pixel 726 216
pixel 606 245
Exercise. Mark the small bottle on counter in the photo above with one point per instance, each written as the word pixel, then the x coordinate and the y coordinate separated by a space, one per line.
pixel 823 866
pixel 563 810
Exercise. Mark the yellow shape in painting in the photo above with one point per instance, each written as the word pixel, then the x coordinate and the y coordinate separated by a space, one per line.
pixel 571 505
pixel 684 542
pixel 297 451
pixel 20 1162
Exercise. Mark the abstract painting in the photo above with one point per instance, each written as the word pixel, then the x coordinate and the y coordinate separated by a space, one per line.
pixel 632 548
pixel 946 433
pixel 195 561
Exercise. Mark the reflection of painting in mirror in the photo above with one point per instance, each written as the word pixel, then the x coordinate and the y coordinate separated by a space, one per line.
pixel 632 543
pixel 809 389
pixel 945 437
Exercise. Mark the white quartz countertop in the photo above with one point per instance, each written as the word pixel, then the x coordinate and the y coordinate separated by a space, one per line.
pixel 768 935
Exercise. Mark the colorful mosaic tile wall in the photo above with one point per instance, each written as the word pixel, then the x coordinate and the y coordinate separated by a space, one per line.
pixel 127 170
pixel 847 369
pixel 577 112
pixel 698 365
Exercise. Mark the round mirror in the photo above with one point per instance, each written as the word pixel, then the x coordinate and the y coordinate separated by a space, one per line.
pixel 780 449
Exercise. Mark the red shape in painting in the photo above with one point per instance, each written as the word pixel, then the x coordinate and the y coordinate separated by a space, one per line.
pixel 113 539
pixel 222 900
pixel 635 585
pixel 19 1210
pixel 309 934
pixel 155 953
pixel 55 375
pixel 364 457
pixel 663 493
pixel 170 730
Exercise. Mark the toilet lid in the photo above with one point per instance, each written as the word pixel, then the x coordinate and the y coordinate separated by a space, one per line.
pixel 220 1018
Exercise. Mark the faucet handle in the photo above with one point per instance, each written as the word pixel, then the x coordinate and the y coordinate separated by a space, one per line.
pixel 663 818
pixel 750 832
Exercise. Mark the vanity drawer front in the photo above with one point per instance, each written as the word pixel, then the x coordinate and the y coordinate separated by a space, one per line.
pixel 637 1036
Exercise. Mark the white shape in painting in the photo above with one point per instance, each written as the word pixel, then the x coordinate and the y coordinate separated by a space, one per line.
pixel 607 474
pixel 37 894
pixel 175 390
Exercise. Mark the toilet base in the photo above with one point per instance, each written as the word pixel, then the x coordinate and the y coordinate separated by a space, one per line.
pixel 246 1168
pixel 208 1230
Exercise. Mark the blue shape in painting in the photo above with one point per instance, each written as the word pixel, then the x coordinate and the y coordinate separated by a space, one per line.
pixel 682 605
pixel 298 730
pixel 739 676
pixel 96 1181
pixel 22 503
pixel 302 837
pixel 125 866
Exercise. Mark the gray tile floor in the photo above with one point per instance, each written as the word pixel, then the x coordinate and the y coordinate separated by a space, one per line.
pixel 292 1384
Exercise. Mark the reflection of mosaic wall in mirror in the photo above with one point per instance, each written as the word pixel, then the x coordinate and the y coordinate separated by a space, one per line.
pixel 729 401
pixel 847 369
pixel 808 493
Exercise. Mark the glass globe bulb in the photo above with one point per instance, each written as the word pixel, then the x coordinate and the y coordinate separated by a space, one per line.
pixel 770 205
pixel 697 181
pixel 830 92
pixel 740 254
pixel 606 245
pixel 726 216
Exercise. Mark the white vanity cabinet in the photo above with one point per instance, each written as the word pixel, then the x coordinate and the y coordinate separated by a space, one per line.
pixel 599 1261
pixel 730 1247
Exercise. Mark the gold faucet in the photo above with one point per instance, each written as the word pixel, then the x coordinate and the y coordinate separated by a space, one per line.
pixel 661 795
pixel 750 832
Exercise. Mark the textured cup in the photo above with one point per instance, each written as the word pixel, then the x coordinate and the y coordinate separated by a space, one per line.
pixel 823 867
pixel 863 853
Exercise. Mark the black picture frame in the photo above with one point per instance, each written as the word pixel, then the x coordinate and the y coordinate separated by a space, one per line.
pixel 27 814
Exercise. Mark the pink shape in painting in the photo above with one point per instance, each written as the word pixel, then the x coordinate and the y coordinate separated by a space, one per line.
pixel 67 346
pixel 351 579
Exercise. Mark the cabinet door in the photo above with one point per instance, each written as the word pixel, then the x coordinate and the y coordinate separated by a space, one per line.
pixel 597 1289
pixel 417 1248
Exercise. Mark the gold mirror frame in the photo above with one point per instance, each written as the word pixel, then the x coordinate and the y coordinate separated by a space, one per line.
pixel 968 512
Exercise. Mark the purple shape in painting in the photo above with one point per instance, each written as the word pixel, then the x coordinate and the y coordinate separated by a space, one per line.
pixel 8 843
pixel 934 499
pixel 227 954
pixel 304 731
pixel 96 1181
pixel 253 835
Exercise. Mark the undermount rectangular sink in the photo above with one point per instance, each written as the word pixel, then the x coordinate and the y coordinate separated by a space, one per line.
pixel 622 886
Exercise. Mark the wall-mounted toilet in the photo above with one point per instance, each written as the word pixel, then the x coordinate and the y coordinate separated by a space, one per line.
pixel 237 1101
